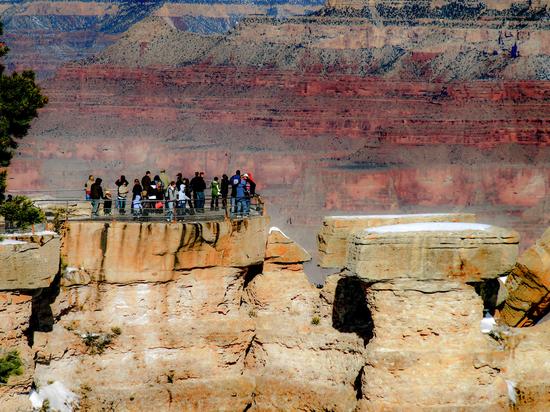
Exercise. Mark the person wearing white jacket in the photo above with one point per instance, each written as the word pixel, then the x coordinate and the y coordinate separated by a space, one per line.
pixel 182 199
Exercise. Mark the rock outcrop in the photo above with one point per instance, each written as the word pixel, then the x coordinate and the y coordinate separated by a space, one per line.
pixel 528 286
pixel 426 316
pixel 336 230
pixel 119 252
pixel 216 322
pixel 242 328
pixel 29 261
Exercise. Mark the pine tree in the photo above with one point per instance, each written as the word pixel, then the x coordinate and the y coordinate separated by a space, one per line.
pixel 20 99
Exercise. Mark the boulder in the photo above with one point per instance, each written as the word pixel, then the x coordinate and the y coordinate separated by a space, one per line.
pixel 284 251
pixel 466 252
pixel 528 286
pixel 336 230
pixel 29 261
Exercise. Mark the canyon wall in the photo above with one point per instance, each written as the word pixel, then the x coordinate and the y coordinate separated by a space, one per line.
pixel 339 114
pixel 220 315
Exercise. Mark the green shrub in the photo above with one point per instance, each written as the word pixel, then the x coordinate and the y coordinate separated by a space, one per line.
pixel 21 212
pixel 10 364
pixel 315 320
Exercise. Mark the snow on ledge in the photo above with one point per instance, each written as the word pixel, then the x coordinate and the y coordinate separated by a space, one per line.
pixel 41 233
pixel 11 242
pixel 429 227
pixel 276 229
pixel 351 217
pixel 487 324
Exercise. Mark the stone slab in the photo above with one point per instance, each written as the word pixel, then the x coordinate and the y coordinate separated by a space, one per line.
pixel 336 230
pixel 464 252
pixel 29 261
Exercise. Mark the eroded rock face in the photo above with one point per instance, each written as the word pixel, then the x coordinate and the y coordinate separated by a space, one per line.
pixel 120 252
pixel 336 230
pixel 427 351
pixel 529 286
pixel 15 315
pixel 241 334
pixel 29 261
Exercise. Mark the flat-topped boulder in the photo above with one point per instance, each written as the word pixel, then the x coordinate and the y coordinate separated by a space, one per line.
pixel 466 252
pixel 336 231
pixel 29 261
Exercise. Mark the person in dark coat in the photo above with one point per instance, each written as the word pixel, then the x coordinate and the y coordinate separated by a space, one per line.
pixel 194 188
pixel 224 190
pixel 96 194
pixel 120 181
pixel 146 180
pixel 136 191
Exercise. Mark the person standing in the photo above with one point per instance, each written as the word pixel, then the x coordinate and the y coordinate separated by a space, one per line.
pixel 182 198
pixel 234 182
pixel 240 198
pixel 120 181
pixel 88 187
pixel 224 190
pixel 146 180
pixel 136 191
pixel 215 193
pixel 164 179
pixel 194 185
pixel 96 194
pixel 171 198
pixel 122 194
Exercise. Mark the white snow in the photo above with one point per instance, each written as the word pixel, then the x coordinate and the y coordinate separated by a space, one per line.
pixel 59 397
pixel 70 269
pixel 428 227
pixel 11 242
pixel 487 324
pixel 511 391
pixel 503 279
pixel 276 229
pixel 351 217
pixel 41 233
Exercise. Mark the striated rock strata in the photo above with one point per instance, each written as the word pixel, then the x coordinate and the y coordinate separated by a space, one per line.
pixel 426 317
pixel 528 286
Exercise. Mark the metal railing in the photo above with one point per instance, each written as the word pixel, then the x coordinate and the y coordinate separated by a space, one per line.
pixel 152 209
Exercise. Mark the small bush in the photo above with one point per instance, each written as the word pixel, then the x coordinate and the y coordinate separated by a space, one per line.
pixel 97 342
pixel 252 313
pixel 21 212
pixel 116 330
pixel 10 364
pixel 315 320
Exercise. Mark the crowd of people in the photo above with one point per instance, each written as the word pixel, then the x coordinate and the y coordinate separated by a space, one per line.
pixel 173 198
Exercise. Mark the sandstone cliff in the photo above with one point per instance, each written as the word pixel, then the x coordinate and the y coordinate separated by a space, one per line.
pixel 221 316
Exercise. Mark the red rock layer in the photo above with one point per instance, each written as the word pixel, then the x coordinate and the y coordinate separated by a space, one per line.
pixel 317 144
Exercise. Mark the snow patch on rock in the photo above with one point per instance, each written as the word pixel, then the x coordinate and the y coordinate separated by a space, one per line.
pixel 512 391
pixel 487 324
pixel 276 229
pixel 11 242
pixel 58 396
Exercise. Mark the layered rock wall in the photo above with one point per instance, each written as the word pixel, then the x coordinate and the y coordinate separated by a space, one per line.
pixel 528 286
pixel 426 317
